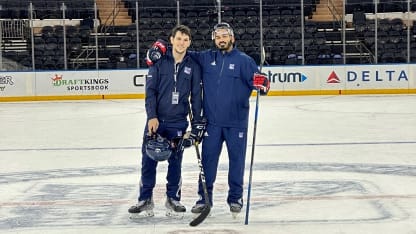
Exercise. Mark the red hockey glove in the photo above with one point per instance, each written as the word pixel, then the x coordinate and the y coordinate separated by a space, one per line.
pixel 261 83
pixel 156 52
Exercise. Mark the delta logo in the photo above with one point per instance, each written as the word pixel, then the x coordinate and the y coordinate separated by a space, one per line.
pixel 333 78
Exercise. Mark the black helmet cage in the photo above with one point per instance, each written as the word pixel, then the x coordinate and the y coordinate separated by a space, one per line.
pixel 158 148
pixel 222 25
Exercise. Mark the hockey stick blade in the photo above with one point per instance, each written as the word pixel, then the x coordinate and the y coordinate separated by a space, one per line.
pixel 201 217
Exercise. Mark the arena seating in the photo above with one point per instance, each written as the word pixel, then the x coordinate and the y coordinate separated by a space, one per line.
pixel 46 9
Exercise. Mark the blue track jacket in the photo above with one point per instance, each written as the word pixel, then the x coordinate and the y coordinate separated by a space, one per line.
pixel 228 83
pixel 160 85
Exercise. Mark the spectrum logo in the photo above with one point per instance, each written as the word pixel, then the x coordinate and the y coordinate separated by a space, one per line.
pixel 286 77
pixel 333 78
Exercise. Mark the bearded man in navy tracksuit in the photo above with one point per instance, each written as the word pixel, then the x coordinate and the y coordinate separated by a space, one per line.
pixel 229 76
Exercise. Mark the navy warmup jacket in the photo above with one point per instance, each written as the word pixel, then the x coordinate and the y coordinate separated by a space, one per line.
pixel 159 94
pixel 228 80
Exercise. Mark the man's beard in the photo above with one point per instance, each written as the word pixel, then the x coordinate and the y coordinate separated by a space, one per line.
pixel 225 47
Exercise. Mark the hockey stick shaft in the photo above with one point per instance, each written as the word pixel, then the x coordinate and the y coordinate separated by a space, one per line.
pixel 250 178
pixel 202 174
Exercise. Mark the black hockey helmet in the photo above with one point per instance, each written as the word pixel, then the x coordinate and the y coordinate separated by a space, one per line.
pixel 222 25
pixel 158 148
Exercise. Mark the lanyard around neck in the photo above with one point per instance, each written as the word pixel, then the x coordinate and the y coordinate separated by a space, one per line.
pixel 175 75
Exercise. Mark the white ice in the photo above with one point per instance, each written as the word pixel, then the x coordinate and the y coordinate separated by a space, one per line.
pixel 322 164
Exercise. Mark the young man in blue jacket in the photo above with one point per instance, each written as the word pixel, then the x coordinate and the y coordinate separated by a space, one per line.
pixel 229 76
pixel 170 83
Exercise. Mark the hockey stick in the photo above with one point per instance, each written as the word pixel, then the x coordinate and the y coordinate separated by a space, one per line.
pixel 262 58
pixel 207 207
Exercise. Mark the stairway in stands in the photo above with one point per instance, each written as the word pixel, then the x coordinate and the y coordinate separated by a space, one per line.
pixel 113 12
pixel 323 12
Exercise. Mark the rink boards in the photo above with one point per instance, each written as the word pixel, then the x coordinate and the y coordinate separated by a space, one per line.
pixel 284 80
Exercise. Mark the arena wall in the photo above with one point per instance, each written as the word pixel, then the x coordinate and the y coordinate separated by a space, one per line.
pixel 285 80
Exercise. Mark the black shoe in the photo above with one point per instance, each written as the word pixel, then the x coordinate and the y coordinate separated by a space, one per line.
pixel 174 205
pixel 143 207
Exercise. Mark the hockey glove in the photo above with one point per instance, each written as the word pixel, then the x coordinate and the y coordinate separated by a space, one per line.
pixel 156 52
pixel 198 130
pixel 185 142
pixel 261 83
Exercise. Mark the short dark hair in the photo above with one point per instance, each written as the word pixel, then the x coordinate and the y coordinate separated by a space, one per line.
pixel 183 29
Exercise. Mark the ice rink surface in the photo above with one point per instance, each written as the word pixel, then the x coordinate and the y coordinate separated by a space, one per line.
pixel 322 164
